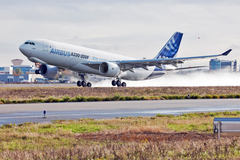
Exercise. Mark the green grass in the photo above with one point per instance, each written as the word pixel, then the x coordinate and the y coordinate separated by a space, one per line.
pixel 191 127
pixel 76 128
pixel 59 138
pixel 116 97
pixel 204 114
pixel 182 127
pixel 58 133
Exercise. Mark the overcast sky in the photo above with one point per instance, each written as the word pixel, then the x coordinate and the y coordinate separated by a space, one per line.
pixel 136 28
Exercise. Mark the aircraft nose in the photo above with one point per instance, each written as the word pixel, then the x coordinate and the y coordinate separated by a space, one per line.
pixel 23 49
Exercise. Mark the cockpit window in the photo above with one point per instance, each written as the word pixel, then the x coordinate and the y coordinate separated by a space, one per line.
pixel 31 43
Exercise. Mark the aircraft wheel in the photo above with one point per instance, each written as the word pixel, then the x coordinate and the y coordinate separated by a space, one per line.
pixel 37 72
pixel 84 84
pixel 79 83
pixel 124 84
pixel 114 83
pixel 89 84
pixel 119 83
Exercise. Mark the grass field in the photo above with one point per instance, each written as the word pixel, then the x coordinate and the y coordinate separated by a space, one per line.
pixel 45 92
pixel 187 136
pixel 76 94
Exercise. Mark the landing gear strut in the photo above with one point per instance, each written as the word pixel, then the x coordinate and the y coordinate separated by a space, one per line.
pixel 83 83
pixel 119 83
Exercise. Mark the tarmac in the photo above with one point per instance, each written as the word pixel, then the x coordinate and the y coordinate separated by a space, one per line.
pixel 21 113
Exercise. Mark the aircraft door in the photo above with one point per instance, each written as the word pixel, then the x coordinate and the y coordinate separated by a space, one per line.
pixel 45 46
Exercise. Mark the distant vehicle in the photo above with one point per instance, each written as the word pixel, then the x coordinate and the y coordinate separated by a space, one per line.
pixel 67 81
pixel 55 81
pixel 55 56
pixel 41 80
pixel 24 81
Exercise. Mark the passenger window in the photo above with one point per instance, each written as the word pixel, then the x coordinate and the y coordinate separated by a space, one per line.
pixel 33 43
pixel 26 43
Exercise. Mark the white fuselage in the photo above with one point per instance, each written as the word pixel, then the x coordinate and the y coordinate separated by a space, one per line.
pixel 71 57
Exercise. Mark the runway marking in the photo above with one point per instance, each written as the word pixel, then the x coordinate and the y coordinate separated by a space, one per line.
pixel 188 111
pixel 64 115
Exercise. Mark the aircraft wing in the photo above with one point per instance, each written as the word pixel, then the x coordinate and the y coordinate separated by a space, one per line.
pixel 144 63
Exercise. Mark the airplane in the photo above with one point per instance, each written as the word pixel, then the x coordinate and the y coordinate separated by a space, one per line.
pixel 54 57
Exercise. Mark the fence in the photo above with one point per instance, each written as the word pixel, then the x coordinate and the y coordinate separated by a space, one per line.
pixel 226 126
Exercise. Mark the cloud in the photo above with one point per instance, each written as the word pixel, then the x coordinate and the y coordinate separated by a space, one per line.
pixel 134 28
pixel 235 47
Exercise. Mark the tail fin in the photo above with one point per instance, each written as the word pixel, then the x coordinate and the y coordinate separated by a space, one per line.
pixel 171 47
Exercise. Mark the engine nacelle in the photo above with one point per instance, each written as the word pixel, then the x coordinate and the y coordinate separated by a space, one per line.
pixel 48 71
pixel 109 69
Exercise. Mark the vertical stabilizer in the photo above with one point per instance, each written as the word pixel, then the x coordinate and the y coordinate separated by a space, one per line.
pixel 171 47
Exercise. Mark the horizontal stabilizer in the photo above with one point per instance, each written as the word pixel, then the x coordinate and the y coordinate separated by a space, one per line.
pixel 185 68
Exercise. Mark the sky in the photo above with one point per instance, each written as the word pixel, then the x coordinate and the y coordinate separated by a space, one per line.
pixel 136 28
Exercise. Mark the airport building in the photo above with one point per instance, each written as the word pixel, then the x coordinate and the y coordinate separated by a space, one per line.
pixel 24 69
pixel 217 64
pixel 18 73
pixel 227 65
pixel 6 70
pixel 10 78
pixel 235 66
pixel 18 68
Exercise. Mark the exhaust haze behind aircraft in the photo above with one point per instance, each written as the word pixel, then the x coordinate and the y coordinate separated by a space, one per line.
pixel 56 56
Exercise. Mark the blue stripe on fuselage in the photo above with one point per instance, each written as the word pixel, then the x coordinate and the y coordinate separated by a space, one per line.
pixel 159 69
pixel 157 72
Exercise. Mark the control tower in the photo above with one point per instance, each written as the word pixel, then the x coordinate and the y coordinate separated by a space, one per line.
pixel 17 62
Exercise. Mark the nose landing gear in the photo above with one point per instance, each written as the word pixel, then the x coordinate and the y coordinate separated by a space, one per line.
pixel 119 83
pixel 37 71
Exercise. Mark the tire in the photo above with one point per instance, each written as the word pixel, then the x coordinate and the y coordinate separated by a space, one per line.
pixel 89 84
pixel 36 71
pixel 84 84
pixel 79 83
pixel 119 83
pixel 114 83
pixel 124 84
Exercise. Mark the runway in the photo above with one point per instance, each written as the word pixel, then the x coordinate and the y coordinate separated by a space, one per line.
pixel 20 113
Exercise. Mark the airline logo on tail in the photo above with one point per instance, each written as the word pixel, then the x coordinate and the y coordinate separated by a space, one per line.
pixel 171 47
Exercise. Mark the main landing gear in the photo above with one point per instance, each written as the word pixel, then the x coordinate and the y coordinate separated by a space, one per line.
pixel 83 83
pixel 119 83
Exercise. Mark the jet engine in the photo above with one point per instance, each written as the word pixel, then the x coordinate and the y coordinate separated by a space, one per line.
pixel 109 69
pixel 48 71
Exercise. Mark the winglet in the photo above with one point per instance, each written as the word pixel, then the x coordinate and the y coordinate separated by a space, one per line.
pixel 226 53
